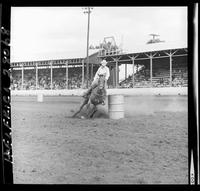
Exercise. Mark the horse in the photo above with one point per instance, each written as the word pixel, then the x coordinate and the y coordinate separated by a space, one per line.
pixel 95 98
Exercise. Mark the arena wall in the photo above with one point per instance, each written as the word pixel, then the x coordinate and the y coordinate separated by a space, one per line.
pixel 131 91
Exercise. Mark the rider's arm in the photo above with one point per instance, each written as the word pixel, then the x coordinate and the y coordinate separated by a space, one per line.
pixel 96 75
pixel 107 73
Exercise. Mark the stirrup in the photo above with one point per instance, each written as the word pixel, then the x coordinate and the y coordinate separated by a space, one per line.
pixel 103 102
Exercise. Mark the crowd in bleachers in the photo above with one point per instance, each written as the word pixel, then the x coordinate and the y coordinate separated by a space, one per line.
pixel 141 79
pixel 161 78
pixel 16 83
pixel 44 79
pixel 180 77
pixel 75 78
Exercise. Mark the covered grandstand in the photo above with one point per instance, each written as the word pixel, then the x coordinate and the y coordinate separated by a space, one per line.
pixel 154 65
pixel 49 74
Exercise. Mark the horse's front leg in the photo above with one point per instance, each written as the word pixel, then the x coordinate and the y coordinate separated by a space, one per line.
pixel 88 104
pixel 88 108
pixel 94 111
pixel 83 104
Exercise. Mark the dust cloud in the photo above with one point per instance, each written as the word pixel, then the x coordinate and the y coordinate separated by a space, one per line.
pixel 148 105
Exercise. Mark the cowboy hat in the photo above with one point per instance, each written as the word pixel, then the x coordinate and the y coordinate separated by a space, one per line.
pixel 104 62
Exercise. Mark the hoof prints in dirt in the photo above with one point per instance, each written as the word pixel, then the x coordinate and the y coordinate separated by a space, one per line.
pixel 98 114
pixel 139 149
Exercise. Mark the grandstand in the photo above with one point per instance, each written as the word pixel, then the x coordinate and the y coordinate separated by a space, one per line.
pixel 49 74
pixel 157 65
pixel 153 66
pixel 161 74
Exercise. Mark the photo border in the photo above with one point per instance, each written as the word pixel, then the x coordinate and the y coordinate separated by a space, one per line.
pixel 6 168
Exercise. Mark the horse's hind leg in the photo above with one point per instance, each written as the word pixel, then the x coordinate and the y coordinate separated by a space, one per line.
pixel 83 104
pixel 77 112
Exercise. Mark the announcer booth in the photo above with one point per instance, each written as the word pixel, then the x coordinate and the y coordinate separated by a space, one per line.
pixel 155 65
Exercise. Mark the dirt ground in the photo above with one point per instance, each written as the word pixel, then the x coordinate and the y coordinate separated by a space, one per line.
pixel 148 146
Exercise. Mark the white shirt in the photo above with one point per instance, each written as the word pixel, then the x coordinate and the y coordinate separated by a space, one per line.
pixel 102 71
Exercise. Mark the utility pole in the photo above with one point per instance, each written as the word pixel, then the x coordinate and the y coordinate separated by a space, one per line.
pixel 88 11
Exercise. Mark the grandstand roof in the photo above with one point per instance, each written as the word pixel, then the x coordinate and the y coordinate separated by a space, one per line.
pixel 159 50
pixel 92 52
pixel 137 50
pixel 156 47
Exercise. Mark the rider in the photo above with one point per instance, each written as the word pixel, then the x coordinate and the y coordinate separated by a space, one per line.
pixel 102 70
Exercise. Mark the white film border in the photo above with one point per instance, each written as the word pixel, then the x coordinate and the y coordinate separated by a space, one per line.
pixel 196 63
pixel 196 96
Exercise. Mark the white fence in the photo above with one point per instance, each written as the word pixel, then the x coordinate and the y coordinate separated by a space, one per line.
pixel 131 91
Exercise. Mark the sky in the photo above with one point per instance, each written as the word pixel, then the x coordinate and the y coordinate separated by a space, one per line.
pixel 43 33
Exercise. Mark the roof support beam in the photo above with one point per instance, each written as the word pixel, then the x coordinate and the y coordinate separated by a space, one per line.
pixel 151 69
pixel 170 69
pixel 51 69
pixel 115 58
pixel 151 56
pixel 83 77
pixel 22 85
pixel 180 55
pixel 67 73
pixel 133 63
pixel 125 71
pixel 36 77
pixel 170 52
pixel 170 65
pixel 116 71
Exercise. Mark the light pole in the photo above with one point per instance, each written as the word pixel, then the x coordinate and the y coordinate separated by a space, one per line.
pixel 88 11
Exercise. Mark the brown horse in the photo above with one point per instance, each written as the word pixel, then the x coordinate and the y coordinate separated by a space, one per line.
pixel 95 98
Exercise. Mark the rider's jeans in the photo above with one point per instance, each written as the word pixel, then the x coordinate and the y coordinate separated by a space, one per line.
pixel 94 84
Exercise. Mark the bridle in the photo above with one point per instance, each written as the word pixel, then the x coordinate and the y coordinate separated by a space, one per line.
pixel 100 76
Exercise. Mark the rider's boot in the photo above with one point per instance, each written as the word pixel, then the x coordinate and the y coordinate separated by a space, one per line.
pixel 103 102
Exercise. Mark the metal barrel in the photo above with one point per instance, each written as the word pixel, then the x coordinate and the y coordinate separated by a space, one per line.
pixel 40 97
pixel 116 106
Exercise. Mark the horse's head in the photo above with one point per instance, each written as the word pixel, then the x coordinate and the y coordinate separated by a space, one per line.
pixel 101 82
pixel 99 92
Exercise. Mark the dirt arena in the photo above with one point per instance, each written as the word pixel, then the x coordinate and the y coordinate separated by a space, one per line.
pixel 148 146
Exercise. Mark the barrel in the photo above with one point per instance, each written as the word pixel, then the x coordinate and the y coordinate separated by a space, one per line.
pixel 40 97
pixel 116 106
